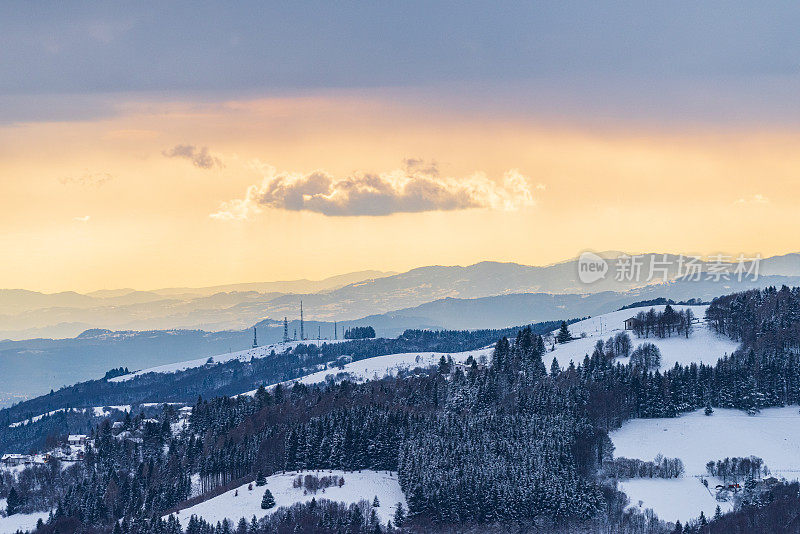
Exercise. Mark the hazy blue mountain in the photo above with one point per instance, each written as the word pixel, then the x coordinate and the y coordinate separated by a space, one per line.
pixel 24 314
pixel 786 265
pixel 503 310
pixel 290 286
pixel 33 367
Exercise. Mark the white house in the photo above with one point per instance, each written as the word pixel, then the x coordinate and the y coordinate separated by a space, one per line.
pixel 77 439
pixel 11 460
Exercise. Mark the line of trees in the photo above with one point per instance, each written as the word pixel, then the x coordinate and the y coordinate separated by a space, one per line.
pixel 736 468
pixel 665 323
pixel 659 467
pixel 359 332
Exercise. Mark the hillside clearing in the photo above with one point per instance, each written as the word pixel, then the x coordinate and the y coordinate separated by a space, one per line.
pixel 363 485
pixel 773 434
pixel 703 345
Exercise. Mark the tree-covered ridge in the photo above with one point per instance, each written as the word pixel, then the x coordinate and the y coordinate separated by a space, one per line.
pixel 230 378
pixel 765 320
pixel 406 424
pixel 476 445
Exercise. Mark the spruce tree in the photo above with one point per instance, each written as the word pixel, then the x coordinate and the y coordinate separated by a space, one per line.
pixel 261 479
pixel 399 515
pixel 13 502
pixel 375 502
pixel 563 333
pixel 554 368
pixel 268 501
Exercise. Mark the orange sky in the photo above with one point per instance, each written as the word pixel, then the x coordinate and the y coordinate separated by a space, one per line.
pixel 96 204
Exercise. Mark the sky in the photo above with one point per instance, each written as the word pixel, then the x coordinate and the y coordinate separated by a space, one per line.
pixel 200 143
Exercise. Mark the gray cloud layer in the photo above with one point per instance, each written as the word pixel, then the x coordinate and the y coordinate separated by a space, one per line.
pixel 722 61
pixel 200 157
pixel 417 188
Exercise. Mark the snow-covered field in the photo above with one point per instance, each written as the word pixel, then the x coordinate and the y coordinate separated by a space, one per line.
pixel 695 438
pixel 242 355
pixel 357 486
pixel 674 499
pixel 703 345
pixel 388 365
pixel 23 522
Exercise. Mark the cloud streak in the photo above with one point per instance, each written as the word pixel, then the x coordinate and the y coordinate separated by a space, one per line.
pixel 754 200
pixel 87 179
pixel 418 187
pixel 200 157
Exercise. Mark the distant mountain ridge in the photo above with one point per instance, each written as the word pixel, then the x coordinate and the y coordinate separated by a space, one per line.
pixel 347 297
pixel 34 366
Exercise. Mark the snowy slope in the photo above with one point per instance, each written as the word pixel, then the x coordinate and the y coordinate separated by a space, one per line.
pixel 674 499
pixel 388 365
pixel 97 411
pixel 242 355
pixel 703 345
pixel 39 417
pixel 357 486
pixel 23 522
pixel 773 434
pixel 695 438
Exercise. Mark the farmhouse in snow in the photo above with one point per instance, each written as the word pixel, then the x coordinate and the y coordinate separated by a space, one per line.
pixel 631 323
pixel 77 439
pixel 11 460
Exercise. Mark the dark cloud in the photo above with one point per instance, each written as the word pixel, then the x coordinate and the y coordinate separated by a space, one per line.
pixel 722 60
pixel 401 191
pixel 200 157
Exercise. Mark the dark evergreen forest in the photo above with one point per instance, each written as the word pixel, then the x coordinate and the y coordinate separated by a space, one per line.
pixel 509 445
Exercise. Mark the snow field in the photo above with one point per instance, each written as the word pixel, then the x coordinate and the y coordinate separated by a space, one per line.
pixel 703 346
pixel 388 365
pixel 364 485
pixel 23 522
pixel 673 499
pixel 773 434
pixel 242 355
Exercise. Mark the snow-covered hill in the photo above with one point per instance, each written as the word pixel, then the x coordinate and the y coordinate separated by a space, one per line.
pixel 694 438
pixel 97 411
pixel 19 522
pixel 703 345
pixel 359 371
pixel 242 355
pixel 363 485
pixel 388 365
pixel 773 434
